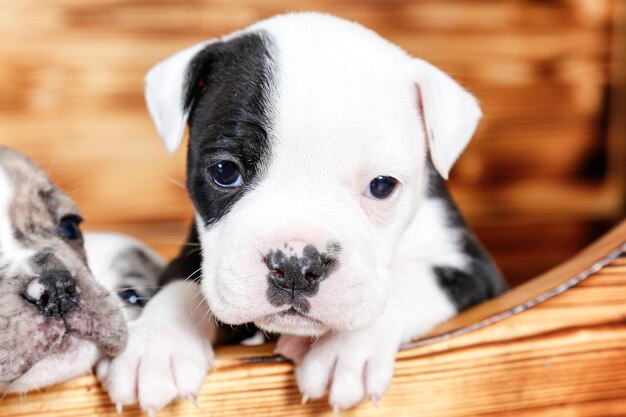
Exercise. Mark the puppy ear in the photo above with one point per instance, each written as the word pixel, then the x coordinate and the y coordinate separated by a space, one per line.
pixel 450 114
pixel 167 90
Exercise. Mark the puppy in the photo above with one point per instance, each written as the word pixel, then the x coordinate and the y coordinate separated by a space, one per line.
pixel 55 319
pixel 125 267
pixel 316 160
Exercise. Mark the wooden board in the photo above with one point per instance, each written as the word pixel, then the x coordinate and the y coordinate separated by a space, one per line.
pixel 553 347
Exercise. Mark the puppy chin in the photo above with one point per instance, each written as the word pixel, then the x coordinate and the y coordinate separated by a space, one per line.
pixel 54 368
pixel 293 324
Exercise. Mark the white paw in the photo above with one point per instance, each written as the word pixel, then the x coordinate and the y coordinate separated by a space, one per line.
pixel 350 365
pixel 168 354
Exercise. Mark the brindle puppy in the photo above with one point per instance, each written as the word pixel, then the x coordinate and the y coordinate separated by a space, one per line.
pixel 55 320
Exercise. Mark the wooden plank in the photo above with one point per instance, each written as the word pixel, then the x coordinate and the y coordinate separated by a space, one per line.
pixel 562 353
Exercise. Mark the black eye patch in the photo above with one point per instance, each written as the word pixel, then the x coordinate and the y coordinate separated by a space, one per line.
pixel 228 121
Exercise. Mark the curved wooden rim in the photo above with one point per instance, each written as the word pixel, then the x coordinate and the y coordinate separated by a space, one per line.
pixel 545 286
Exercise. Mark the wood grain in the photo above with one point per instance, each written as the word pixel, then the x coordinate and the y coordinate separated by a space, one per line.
pixel 71 98
pixel 553 347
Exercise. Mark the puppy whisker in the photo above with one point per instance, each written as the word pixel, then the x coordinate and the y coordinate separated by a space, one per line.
pixel 193 273
pixel 176 182
pixel 169 242
pixel 73 181
pixel 73 191
pixel 52 165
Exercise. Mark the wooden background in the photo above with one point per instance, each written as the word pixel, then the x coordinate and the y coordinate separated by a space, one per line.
pixel 543 177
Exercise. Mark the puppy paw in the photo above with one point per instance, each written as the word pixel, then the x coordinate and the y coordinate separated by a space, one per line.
pixel 351 366
pixel 168 353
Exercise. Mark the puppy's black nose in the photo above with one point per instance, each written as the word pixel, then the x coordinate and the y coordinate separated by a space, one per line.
pixel 54 293
pixel 296 272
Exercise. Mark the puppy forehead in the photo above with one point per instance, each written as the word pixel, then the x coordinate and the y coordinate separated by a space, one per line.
pixel 327 66
pixel 342 94
pixel 34 196
pixel 31 206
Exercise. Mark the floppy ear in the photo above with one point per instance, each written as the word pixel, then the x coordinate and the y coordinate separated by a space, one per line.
pixel 166 90
pixel 450 114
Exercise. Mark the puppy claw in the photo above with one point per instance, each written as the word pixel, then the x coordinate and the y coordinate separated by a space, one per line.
pixel 119 407
pixel 192 399
pixel 151 412
pixel 374 399
pixel 336 410
pixel 305 399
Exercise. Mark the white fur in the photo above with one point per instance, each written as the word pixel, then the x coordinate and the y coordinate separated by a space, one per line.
pixel 358 364
pixel 11 251
pixel 103 247
pixel 347 108
pixel 7 241
pixel 106 257
pixel 168 353
pixel 76 360
pixel 164 95
pixel 451 115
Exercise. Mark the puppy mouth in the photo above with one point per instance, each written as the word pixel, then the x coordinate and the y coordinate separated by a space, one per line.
pixel 293 312
pixel 292 321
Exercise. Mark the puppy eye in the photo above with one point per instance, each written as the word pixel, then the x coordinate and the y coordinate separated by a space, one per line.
pixel 68 227
pixel 381 187
pixel 131 297
pixel 226 174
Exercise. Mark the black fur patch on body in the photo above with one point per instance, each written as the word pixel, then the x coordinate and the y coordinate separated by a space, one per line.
pixel 481 280
pixel 228 89
pixel 187 264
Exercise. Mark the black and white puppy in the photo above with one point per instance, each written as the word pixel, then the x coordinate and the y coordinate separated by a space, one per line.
pixel 316 161
pixel 55 319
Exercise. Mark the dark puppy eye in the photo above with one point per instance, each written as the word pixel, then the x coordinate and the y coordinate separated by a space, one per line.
pixel 69 227
pixel 131 297
pixel 381 187
pixel 226 174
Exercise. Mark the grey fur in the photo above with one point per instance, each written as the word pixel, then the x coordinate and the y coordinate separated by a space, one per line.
pixel 27 337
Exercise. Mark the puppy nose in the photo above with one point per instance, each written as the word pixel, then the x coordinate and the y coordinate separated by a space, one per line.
pixel 296 267
pixel 54 293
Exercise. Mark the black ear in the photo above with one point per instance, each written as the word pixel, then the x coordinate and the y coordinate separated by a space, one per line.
pixel 170 87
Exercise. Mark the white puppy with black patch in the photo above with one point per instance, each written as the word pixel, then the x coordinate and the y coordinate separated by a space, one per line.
pixel 316 161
